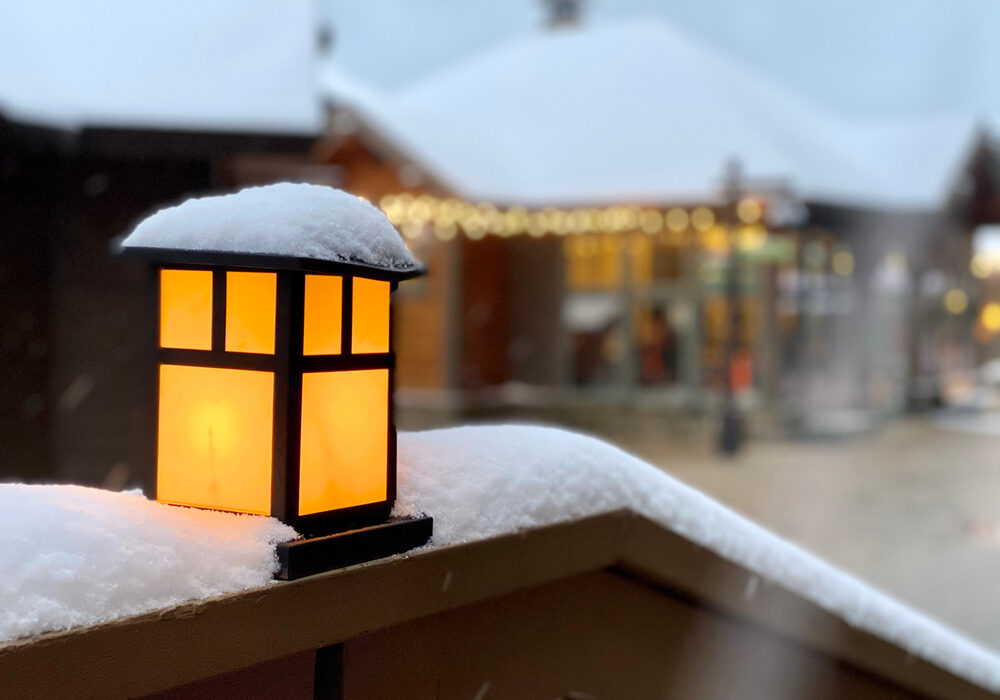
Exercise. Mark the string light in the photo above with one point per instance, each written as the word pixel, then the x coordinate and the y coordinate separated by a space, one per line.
pixel 415 214
pixel 956 301
pixel 702 218
pixel 842 263
pixel 651 221
pixel 677 220
pixel 714 238
pixel 752 238
pixel 981 266
pixel 990 317
pixel 749 210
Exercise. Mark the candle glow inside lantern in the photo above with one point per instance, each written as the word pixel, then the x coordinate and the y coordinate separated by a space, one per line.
pixel 275 367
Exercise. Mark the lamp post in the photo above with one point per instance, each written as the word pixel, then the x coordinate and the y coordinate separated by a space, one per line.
pixel 731 431
pixel 274 397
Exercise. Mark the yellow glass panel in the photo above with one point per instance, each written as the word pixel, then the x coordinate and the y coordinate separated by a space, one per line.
pixel 345 436
pixel 370 316
pixel 214 446
pixel 322 315
pixel 250 311
pixel 186 309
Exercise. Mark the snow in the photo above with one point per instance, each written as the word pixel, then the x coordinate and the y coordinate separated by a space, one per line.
pixel 224 65
pixel 77 556
pixel 296 220
pixel 656 117
pixel 482 481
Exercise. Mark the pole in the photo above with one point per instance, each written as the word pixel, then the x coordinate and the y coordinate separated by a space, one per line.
pixel 731 431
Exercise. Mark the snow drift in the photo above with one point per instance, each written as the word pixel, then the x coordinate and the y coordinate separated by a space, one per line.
pixel 76 556
pixel 481 481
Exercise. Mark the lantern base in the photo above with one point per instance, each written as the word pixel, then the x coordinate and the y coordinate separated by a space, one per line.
pixel 313 555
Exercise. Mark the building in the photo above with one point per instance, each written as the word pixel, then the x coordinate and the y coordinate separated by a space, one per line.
pixel 572 204
pixel 125 117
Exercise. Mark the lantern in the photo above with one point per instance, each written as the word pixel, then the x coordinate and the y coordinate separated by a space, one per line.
pixel 275 378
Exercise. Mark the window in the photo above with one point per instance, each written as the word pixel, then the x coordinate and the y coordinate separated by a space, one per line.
pixel 322 315
pixel 250 311
pixel 215 438
pixel 186 309
pixel 370 332
pixel 343 451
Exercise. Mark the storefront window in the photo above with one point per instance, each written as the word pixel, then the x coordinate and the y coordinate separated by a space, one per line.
pixel 594 326
pixel 656 345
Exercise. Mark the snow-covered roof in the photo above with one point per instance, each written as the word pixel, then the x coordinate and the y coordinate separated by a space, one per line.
pixel 638 111
pixel 288 220
pixel 225 65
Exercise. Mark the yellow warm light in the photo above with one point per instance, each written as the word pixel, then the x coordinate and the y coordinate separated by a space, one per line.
pixel 990 317
pixel 980 266
pixel 451 215
pixel 576 221
pixel 412 229
pixel 186 309
pixel 553 220
pixel 651 221
pixel 749 210
pixel 677 220
pixel 370 332
pixel 752 238
pixel 715 238
pixel 344 445
pixel 321 322
pixel 423 208
pixel 214 441
pixel 842 263
pixel 445 231
pixel 515 220
pixel 448 211
pixel 492 219
pixel 534 226
pixel 250 311
pixel 956 301
pixel 702 218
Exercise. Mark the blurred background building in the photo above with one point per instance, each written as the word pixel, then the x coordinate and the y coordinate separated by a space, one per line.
pixel 618 211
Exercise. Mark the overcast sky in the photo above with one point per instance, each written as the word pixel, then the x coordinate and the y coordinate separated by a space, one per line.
pixel 864 58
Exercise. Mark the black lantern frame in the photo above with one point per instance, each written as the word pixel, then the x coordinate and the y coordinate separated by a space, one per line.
pixel 289 364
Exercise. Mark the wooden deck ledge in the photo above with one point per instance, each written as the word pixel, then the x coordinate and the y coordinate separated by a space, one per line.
pixel 618 579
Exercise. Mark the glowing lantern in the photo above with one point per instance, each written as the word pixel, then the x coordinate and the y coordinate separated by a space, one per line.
pixel 275 397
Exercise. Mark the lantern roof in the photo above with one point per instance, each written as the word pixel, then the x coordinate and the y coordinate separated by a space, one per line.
pixel 313 228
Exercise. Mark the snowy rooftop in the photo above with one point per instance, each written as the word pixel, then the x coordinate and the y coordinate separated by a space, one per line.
pixel 655 116
pixel 220 66
pixel 76 556
pixel 301 221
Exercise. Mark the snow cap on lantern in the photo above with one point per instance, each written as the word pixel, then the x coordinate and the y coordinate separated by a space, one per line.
pixel 275 354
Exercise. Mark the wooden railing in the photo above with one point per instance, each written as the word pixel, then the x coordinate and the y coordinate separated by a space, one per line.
pixel 606 606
